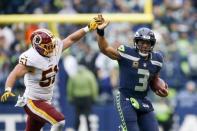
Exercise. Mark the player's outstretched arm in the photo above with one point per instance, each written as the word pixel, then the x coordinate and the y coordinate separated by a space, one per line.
pixel 77 35
pixel 102 42
pixel 16 73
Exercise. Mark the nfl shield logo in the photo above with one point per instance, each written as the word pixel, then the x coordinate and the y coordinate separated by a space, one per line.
pixel 135 64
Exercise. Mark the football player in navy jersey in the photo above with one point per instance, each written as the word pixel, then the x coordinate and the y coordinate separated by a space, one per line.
pixel 138 65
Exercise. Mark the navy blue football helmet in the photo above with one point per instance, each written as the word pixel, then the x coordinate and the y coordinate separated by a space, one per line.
pixel 144 35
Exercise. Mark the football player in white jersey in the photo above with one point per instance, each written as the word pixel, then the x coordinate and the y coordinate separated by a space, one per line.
pixel 39 65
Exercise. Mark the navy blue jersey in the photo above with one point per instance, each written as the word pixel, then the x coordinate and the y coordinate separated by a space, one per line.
pixel 136 71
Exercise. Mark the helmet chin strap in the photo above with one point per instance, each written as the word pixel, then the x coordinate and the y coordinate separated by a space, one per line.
pixel 143 54
pixel 140 53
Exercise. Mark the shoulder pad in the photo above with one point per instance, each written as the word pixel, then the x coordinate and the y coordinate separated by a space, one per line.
pixel 128 53
pixel 59 46
pixel 29 58
pixel 121 48
pixel 157 59
pixel 159 56
pixel 25 59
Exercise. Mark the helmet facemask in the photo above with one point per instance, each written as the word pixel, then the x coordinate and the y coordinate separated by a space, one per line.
pixel 142 49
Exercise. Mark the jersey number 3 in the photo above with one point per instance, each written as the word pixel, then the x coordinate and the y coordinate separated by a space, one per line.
pixel 142 81
pixel 47 81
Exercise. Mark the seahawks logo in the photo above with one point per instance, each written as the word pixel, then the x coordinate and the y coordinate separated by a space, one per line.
pixel 121 48
pixel 146 37
pixel 37 39
pixel 137 34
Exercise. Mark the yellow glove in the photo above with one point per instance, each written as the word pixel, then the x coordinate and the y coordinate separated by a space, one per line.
pixel 94 23
pixel 6 95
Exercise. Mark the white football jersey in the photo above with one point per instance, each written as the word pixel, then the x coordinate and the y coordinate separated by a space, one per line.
pixel 40 82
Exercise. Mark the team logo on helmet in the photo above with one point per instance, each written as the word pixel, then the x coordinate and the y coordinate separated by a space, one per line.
pixel 37 39
pixel 137 34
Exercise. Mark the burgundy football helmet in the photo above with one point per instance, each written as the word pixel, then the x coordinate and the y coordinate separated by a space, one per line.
pixel 43 41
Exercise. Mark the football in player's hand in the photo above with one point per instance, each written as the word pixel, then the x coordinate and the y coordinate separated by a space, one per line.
pixel 159 86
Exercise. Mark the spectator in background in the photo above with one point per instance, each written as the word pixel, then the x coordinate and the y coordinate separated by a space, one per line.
pixel 12 6
pixel 8 37
pixel 164 111
pixel 186 103
pixel 107 77
pixel 188 96
pixel 89 57
pixel 4 60
pixel 84 6
pixel 28 31
pixel 19 45
pixel 82 91
pixel 4 68
pixel 172 73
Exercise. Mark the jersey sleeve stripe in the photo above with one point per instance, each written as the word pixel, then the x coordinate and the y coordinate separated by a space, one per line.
pixel 40 112
pixel 157 63
pixel 129 56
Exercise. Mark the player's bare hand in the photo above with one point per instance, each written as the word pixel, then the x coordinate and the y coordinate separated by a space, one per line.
pixel 104 23
pixel 163 92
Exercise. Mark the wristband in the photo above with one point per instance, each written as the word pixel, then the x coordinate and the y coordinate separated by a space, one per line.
pixel 100 32
pixel 9 89
pixel 86 29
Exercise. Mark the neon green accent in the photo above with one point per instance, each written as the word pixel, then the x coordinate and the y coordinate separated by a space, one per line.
pixel 163 111
pixel 135 103
pixel 185 67
pixel 123 129
pixel 163 117
pixel 121 48
pixel 172 93
pixel 118 106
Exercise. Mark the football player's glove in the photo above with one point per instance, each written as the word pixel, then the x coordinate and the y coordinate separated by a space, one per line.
pixel 94 23
pixel 6 95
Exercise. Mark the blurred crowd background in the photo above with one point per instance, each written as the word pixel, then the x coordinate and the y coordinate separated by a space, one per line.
pixel 175 27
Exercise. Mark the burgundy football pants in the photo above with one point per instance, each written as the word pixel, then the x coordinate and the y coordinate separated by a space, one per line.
pixel 40 112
